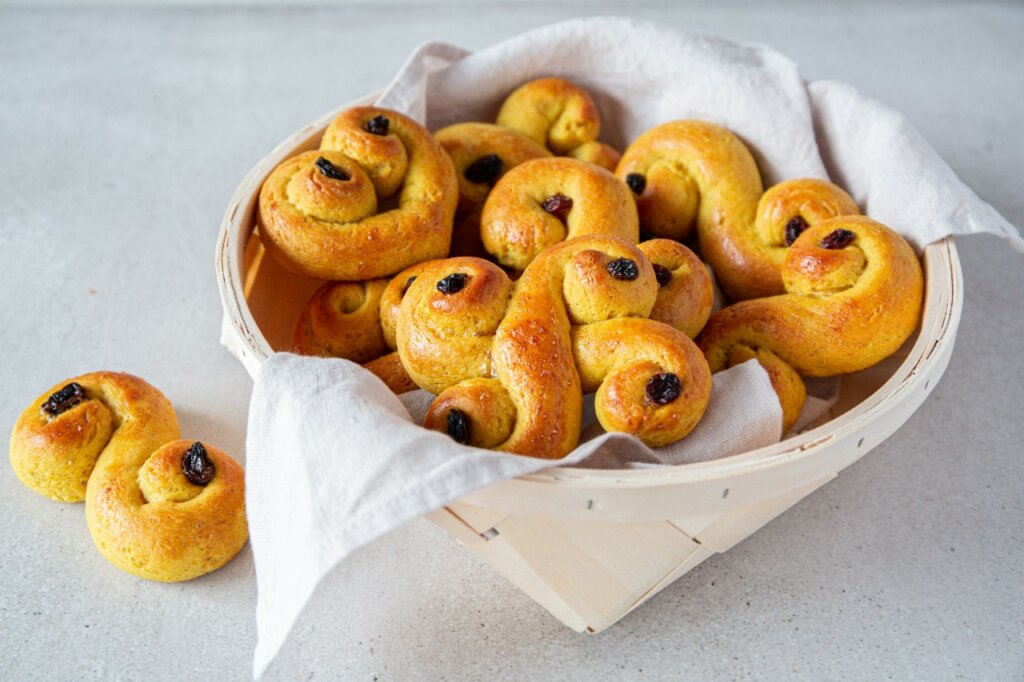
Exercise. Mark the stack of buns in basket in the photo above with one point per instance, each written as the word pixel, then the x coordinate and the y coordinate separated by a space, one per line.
pixel 511 268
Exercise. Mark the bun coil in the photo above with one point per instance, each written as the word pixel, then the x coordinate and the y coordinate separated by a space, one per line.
pixel 854 291
pixel 482 153
pixel 342 320
pixel 356 321
pixel 693 173
pixel 511 362
pixel 545 201
pixel 324 214
pixel 685 293
pixel 157 506
pixel 560 116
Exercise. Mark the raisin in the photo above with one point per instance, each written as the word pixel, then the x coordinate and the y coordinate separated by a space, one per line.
pixel 838 239
pixel 624 269
pixel 794 228
pixel 408 283
pixel 378 125
pixel 663 388
pixel 662 274
pixel 458 426
pixel 196 464
pixel 484 170
pixel 330 170
pixel 453 283
pixel 64 399
pixel 558 205
pixel 636 182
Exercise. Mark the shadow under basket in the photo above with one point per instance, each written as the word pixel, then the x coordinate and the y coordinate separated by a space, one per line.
pixel 591 545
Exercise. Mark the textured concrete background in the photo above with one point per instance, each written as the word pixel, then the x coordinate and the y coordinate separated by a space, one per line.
pixel 124 132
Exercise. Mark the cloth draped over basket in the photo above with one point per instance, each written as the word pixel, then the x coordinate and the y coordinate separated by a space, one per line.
pixel 334 460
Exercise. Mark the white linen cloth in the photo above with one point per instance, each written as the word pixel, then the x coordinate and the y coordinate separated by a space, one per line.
pixel 334 460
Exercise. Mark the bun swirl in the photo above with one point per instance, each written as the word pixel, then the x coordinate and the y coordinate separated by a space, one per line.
pixel 545 201
pixel 854 291
pixel 560 116
pixel 323 213
pixel 157 507
pixel 482 153
pixel 693 173
pixel 511 364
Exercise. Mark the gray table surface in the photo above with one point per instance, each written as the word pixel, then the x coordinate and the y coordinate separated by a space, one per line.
pixel 122 135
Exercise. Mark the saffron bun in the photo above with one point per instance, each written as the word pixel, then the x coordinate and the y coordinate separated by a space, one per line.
pixel 545 201
pixel 481 153
pixel 157 506
pixel 342 320
pixel 326 213
pixel 685 292
pixel 510 361
pixel 356 321
pixel 692 175
pixel 561 116
pixel 854 291
pixel 597 153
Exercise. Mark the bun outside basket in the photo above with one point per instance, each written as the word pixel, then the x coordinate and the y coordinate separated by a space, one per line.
pixel 590 545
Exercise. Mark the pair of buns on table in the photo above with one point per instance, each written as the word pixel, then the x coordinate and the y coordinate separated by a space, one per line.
pixel 157 506
pixel 549 295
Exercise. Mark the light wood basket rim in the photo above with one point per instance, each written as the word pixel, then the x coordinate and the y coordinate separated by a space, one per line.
pixel 943 284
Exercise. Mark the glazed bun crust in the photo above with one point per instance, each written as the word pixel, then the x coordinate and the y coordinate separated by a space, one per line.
pixel 597 153
pixel 692 175
pixel 553 112
pixel 561 116
pixel 342 320
pixel 685 292
pixel 115 443
pixel 510 363
pixel 447 321
pixel 324 213
pixel 855 289
pixel 545 201
pixel 482 153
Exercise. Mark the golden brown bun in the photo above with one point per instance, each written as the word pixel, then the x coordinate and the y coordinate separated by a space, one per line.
pixel 854 296
pixel 322 213
pixel 511 363
pixel 694 173
pixel 390 370
pixel 115 444
pixel 445 338
pixel 619 358
pixel 560 116
pixel 552 112
pixel 685 292
pixel 481 153
pixel 581 199
pixel 342 320
pixel 391 300
pixel 356 321
pixel 597 153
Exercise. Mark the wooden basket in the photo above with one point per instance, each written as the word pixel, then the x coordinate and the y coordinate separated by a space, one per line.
pixel 592 545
